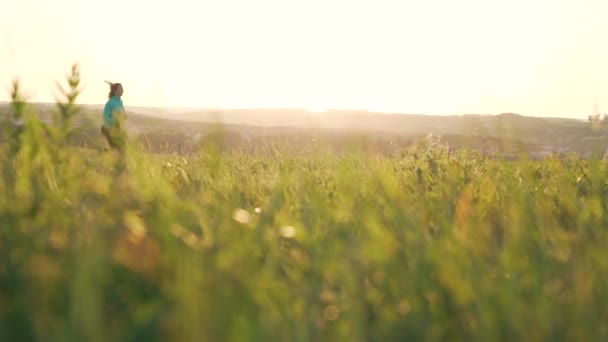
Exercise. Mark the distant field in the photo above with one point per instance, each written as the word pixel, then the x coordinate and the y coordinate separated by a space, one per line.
pixel 181 130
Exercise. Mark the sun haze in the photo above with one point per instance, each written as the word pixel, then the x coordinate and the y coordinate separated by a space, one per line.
pixel 533 57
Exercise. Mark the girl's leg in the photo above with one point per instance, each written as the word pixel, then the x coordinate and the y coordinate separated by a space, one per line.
pixel 110 137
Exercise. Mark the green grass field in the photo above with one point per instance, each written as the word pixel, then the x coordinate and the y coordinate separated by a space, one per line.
pixel 425 244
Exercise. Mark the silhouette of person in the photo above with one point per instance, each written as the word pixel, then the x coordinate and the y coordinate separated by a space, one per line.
pixel 113 117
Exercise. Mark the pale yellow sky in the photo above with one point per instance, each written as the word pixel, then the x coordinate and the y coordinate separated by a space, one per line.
pixel 533 57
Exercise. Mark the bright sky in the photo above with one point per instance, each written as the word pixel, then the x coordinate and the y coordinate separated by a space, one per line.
pixel 533 57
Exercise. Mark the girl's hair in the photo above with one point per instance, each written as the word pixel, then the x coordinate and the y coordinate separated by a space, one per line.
pixel 113 88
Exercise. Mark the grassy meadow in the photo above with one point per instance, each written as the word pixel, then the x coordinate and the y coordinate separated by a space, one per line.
pixel 424 244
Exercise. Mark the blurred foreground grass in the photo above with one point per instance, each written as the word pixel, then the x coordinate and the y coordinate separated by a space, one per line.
pixel 426 244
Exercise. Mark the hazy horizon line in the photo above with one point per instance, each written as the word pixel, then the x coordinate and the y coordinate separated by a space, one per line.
pixel 309 111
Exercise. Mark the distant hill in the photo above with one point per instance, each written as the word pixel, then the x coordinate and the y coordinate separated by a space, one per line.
pixel 550 134
pixel 538 134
